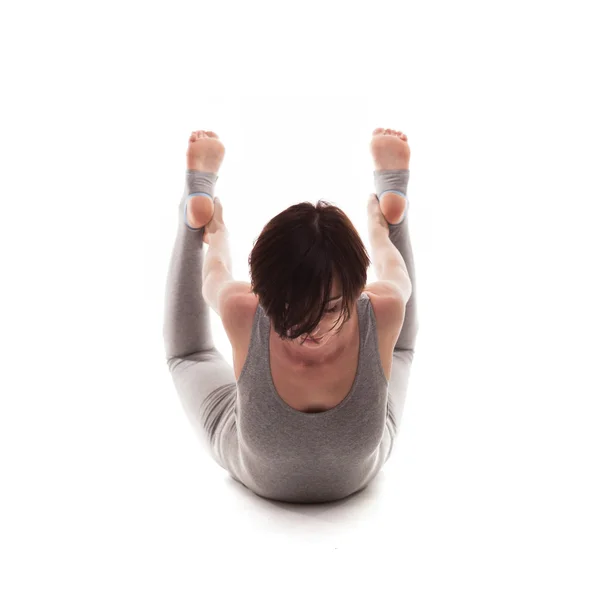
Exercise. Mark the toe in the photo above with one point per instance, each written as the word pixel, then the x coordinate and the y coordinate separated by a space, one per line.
pixel 388 131
pixel 378 130
pixel 212 134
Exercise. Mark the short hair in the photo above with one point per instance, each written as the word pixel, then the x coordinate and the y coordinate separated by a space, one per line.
pixel 295 259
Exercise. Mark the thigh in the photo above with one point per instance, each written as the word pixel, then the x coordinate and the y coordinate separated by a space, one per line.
pixel 206 386
pixel 398 385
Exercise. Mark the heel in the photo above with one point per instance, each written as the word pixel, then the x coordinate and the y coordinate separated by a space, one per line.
pixel 400 193
pixel 185 209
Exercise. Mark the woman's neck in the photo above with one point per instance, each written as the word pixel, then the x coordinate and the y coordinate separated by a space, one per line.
pixel 300 358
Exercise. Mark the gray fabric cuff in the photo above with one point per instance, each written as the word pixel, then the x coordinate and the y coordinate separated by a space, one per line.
pixel 200 181
pixel 197 183
pixel 393 179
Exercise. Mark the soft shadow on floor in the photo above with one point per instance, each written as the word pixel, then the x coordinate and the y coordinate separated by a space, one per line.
pixel 362 500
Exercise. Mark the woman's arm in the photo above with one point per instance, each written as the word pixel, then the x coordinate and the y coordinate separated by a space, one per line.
pixel 218 256
pixel 216 271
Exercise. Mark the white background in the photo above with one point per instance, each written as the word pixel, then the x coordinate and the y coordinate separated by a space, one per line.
pixel 492 491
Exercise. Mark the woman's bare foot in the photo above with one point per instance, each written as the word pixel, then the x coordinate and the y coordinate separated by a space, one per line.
pixel 390 150
pixel 205 153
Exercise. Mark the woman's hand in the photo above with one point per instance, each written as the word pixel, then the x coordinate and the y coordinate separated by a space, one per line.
pixel 374 214
pixel 216 223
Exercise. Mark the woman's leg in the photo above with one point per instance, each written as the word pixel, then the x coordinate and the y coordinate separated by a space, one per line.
pixel 397 180
pixel 404 348
pixel 204 380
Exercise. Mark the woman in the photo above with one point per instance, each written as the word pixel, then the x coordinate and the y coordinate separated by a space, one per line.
pixel 310 409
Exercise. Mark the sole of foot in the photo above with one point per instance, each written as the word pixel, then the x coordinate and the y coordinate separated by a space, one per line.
pixel 390 150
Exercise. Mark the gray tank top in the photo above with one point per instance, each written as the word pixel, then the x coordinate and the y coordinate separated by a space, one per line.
pixel 288 455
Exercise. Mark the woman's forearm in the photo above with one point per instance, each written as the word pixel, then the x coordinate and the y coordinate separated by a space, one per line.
pixel 218 252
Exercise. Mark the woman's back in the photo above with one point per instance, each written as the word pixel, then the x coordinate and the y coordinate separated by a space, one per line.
pixel 318 387
pixel 299 456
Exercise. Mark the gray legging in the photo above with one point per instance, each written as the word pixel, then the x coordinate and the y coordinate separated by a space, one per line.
pixel 204 380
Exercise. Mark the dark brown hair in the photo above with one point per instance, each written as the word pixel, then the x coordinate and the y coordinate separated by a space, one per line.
pixel 295 259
